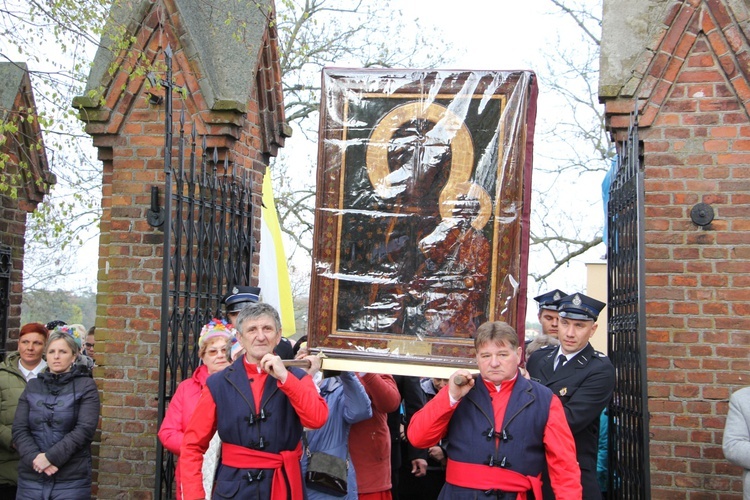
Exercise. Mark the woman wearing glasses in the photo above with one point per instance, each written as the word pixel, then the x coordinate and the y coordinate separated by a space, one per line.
pixel 214 345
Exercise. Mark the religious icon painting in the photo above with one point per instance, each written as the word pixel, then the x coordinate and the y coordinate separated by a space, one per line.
pixel 422 211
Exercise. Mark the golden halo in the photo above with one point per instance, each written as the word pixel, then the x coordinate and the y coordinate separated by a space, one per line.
pixel 462 147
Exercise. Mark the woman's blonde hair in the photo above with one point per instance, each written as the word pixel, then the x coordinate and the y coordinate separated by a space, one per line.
pixel 57 335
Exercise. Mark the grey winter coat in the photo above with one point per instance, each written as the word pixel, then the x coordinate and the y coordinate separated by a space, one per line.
pixel 736 443
pixel 57 415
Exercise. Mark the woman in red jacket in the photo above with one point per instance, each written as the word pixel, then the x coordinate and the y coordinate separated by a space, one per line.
pixel 214 344
pixel 370 440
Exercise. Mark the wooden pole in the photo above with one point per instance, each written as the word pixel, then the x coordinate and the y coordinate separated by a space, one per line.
pixel 460 380
pixel 299 363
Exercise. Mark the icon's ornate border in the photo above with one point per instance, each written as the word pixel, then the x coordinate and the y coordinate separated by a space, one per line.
pixel 397 94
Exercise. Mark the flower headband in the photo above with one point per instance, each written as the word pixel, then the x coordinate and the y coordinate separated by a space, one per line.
pixel 73 331
pixel 215 328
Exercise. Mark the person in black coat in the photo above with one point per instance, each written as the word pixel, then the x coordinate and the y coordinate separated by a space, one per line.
pixel 581 377
pixel 54 425
pixel 428 486
pixel 406 461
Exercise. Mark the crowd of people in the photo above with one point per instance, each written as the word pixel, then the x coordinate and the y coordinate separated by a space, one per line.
pixel 247 424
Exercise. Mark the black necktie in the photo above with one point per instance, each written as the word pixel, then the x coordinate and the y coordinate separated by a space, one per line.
pixel 561 360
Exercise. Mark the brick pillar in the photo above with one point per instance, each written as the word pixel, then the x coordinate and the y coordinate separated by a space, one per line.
pixel 698 301
pixel 25 170
pixel 128 131
pixel 13 235
pixel 693 94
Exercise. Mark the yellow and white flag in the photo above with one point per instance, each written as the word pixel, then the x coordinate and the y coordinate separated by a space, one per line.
pixel 273 279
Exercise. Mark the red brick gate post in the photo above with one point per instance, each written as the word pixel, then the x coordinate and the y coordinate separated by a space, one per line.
pixel 24 169
pixel 687 65
pixel 232 95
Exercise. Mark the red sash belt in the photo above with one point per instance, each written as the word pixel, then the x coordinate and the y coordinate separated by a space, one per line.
pixel 484 477
pixel 286 462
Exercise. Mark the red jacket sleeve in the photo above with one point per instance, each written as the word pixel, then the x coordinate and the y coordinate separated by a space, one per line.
pixel 171 431
pixel 382 390
pixel 560 451
pixel 430 424
pixel 198 434
pixel 310 407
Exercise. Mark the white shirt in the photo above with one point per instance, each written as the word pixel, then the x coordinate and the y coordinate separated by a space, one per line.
pixel 29 374
pixel 568 357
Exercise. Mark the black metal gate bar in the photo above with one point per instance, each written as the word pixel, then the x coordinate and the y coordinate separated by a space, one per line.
pixel 208 249
pixel 629 473
pixel 165 462
pixel 6 266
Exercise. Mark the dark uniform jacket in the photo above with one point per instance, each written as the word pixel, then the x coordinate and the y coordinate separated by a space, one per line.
pixel 584 385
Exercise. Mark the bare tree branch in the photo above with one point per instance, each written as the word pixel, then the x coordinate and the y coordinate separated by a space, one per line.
pixel 582 17
pixel 581 146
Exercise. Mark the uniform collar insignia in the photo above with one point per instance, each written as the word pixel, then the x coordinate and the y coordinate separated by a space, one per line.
pixel 563 391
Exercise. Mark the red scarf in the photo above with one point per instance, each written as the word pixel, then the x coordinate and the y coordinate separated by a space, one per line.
pixel 484 477
pixel 284 463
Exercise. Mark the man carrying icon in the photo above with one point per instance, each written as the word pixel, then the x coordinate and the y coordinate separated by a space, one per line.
pixel 503 430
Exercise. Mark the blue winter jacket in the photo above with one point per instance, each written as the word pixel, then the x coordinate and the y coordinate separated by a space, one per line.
pixel 348 404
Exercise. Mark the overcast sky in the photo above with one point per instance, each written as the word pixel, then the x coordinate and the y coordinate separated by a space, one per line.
pixel 510 35
pixel 489 34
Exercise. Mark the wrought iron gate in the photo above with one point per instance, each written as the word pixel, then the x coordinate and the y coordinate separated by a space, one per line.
pixel 6 266
pixel 208 248
pixel 628 412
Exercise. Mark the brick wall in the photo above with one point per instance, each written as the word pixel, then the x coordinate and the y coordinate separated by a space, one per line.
pixel 13 235
pixel 695 129
pixel 31 186
pixel 698 300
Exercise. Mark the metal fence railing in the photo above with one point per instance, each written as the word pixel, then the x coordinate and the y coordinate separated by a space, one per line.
pixel 208 249
pixel 628 411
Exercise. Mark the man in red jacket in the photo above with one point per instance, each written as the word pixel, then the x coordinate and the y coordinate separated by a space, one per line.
pixel 259 408
pixel 370 440
pixel 502 430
